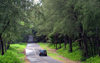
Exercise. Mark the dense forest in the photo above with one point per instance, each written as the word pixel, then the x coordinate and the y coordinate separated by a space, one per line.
pixel 14 22
pixel 52 21
pixel 69 21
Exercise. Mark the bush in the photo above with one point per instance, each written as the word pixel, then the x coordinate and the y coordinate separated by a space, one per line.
pixel 14 54
pixel 95 59
pixel 9 57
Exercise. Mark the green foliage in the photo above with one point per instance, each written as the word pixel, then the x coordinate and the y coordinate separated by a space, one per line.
pixel 11 13
pixel 9 57
pixel 76 20
pixel 14 54
pixel 75 55
pixel 51 37
pixel 14 21
pixel 95 59
pixel 50 53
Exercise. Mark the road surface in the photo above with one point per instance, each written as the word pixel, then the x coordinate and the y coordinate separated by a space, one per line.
pixel 32 54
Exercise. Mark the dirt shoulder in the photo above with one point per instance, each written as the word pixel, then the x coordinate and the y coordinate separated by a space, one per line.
pixel 65 60
pixel 26 60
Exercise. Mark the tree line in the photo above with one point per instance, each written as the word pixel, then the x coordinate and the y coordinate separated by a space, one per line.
pixel 68 21
pixel 53 21
pixel 14 25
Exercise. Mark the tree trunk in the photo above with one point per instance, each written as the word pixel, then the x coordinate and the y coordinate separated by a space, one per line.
pixel 85 46
pixel 80 35
pixel 91 46
pixel 80 41
pixel 70 45
pixel 2 46
pixel 56 45
pixel 5 47
pixel 80 44
pixel 8 45
pixel 65 42
pixel 99 47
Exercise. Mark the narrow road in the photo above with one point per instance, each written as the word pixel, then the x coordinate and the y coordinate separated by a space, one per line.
pixel 32 54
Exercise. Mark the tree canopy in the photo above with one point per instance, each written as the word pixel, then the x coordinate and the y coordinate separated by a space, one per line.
pixel 54 21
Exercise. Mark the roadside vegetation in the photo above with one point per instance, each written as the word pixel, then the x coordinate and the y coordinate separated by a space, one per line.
pixel 15 54
pixel 72 27
pixel 50 53
pixel 75 56
pixel 14 24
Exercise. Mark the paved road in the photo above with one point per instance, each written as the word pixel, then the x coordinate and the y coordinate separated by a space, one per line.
pixel 32 54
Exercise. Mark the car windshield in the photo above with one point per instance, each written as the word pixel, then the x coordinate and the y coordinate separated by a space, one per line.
pixel 42 50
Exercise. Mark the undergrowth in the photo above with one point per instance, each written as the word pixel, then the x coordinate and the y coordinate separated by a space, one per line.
pixel 15 54
pixel 76 55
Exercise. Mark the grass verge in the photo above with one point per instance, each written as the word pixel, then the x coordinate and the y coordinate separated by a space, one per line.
pixel 76 55
pixel 95 59
pixel 50 53
pixel 15 54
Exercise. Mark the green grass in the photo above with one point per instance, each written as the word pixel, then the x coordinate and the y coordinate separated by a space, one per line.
pixel 95 59
pixel 76 55
pixel 14 54
pixel 53 55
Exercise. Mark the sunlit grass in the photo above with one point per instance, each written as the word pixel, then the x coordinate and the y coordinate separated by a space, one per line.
pixel 75 55
pixel 15 54
pixel 54 55
pixel 50 53
pixel 95 59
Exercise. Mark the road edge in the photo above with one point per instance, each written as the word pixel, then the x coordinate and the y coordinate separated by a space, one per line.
pixel 26 60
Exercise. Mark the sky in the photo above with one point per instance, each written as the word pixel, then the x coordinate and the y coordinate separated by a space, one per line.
pixel 36 1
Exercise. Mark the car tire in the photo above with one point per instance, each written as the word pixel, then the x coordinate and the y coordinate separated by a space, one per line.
pixel 45 54
pixel 39 54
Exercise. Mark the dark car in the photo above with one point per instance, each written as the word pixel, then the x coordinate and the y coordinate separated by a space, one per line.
pixel 42 53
